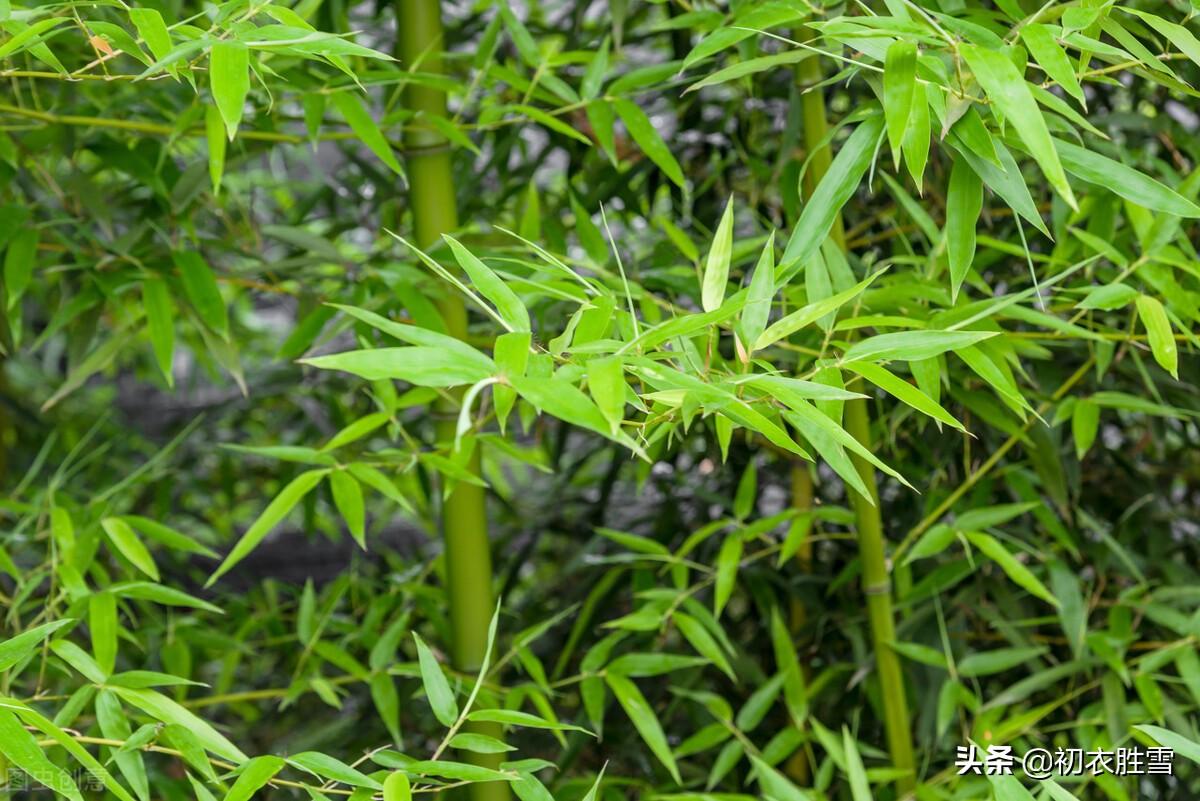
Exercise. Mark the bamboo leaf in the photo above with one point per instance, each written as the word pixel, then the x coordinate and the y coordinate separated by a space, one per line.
pixel 22 750
pixel 422 366
pixel 834 189
pixel 275 512
pixel 912 345
pixel 810 313
pixel 510 307
pixel 348 498
pixel 964 200
pixel 860 788
pixel 644 720
pixel 359 119
pixel 127 543
pixel 200 286
pixel 1124 181
pixel 216 146
pixel 14 649
pixel 160 324
pixel 437 689
pixel 396 787
pixel 1052 59
pixel 904 391
pixel 1159 334
pixel 1085 423
pixel 1016 571
pixel 254 775
pixel 1007 89
pixel 229 81
pixel 899 89
pixel 716 268
pixel 648 139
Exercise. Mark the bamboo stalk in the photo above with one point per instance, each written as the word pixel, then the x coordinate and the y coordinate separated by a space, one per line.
pixel 464 513
pixel 876 581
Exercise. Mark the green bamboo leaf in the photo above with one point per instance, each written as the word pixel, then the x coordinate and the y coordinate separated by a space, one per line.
pixel 1008 788
pixel 479 744
pixel 157 593
pixel 602 117
pixel 163 708
pixel 14 649
pixel 115 725
pixel 904 392
pixel 153 30
pixel 437 689
pixel 1123 180
pixel 964 201
pixel 1159 334
pixel 19 261
pixel 1007 89
pixel 860 788
pixel 200 286
pixel 1052 59
pixel 348 498
pixel 253 777
pixel 79 659
pixel 917 135
pixel 920 653
pixel 1085 423
pixel 490 285
pixel 648 138
pixel 985 663
pixel 750 66
pixel 912 345
pixel 275 512
pixel 899 89
pixel 716 268
pixel 1109 297
pixel 102 620
pixel 810 313
pixel 229 80
pixel 808 420
pixel 834 189
pixel 758 298
pixel 644 720
pixel 396 787
pixel 513 717
pixel 127 543
pixel 1016 571
pixel 774 784
pixel 606 384
pixel 160 324
pixel 22 750
pixel 421 366
pixel 1176 34
pixel 28 38
pixel 458 771
pixel 1169 739
pixel 705 644
pixel 562 399
pixel 728 559
pixel 328 767
pixel 359 119
pixel 216 146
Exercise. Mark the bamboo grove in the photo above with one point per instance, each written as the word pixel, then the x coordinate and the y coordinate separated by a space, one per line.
pixel 689 401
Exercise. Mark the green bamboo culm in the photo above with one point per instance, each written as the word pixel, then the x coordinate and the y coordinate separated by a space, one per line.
pixel 464 513
pixel 876 581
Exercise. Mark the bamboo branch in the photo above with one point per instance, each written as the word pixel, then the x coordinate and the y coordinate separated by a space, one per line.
pixel 468 560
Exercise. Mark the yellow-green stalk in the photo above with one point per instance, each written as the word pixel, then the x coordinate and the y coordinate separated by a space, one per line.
pixel 464 513
pixel 876 580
